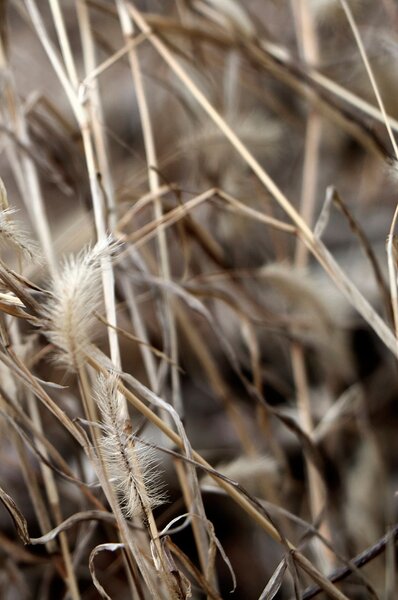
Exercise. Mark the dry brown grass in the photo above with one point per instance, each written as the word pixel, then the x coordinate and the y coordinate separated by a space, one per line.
pixel 198 354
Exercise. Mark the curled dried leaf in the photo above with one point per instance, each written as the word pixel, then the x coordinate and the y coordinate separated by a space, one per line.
pixel 16 515
pixel 101 548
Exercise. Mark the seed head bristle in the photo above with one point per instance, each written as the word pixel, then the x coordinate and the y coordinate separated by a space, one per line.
pixel 130 463
pixel 76 295
pixel 12 234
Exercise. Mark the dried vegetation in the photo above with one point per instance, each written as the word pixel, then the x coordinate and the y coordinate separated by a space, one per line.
pixel 198 305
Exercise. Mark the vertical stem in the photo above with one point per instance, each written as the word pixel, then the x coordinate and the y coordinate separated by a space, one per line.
pixel 33 198
pixel 130 548
pixel 153 178
pixel 308 46
pixel 198 527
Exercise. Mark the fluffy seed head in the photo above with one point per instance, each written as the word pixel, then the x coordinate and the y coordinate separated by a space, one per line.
pixel 76 295
pixel 12 234
pixel 130 463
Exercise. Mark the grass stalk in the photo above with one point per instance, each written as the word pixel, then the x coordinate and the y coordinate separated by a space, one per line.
pixel 153 178
pixel 316 247
pixel 308 47
pixel 234 493
pixel 392 269
pixel 198 527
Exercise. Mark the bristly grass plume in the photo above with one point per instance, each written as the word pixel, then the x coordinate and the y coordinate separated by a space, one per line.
pixel 76 295
pixel 130 463
pixel 12 234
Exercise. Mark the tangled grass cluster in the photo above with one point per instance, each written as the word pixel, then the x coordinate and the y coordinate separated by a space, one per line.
pixel 198 305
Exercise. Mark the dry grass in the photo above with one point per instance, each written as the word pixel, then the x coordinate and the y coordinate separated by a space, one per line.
pixel 197 350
